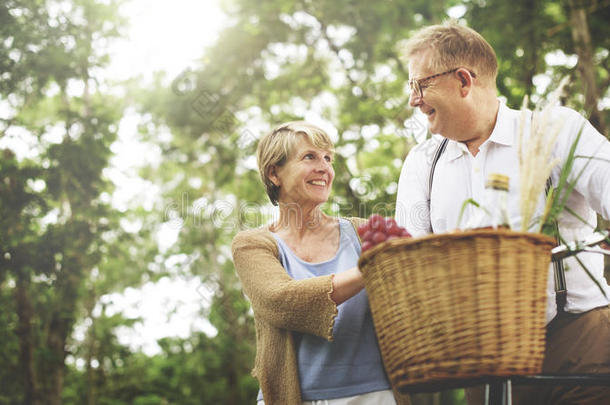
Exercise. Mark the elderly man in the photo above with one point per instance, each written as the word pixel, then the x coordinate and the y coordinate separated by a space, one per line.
pixel 453 73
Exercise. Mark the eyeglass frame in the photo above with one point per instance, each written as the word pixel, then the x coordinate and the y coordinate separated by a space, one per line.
pixel 415 84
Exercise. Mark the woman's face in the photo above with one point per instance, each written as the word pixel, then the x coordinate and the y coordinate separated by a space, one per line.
pixel 306 177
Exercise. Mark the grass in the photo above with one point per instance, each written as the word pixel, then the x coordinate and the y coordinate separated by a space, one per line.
pixel 535 152
pixel 535 166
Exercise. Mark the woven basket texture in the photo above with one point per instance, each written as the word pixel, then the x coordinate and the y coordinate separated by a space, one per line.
pixel 459 306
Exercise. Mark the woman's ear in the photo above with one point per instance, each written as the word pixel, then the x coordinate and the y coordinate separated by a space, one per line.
pixel 272 175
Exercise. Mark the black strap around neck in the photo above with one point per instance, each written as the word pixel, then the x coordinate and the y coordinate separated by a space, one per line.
pixel 437 156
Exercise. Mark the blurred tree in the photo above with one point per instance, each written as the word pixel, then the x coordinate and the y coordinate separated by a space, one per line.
pixel 550 38
pixel 56 131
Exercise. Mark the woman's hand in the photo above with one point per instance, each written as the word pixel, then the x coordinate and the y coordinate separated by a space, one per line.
pixel 346 284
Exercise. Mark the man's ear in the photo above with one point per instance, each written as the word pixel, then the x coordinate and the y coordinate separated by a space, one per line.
pixel 465 79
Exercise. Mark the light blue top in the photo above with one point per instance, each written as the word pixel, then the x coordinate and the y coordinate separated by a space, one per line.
pixel 350 364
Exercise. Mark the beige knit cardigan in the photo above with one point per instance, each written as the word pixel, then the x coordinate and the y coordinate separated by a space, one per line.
pixel 282 305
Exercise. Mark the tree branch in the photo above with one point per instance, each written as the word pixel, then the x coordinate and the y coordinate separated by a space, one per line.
pixel 590 10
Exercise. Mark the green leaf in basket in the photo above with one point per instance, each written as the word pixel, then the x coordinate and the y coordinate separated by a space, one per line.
pixel 467 202
pixel 558 198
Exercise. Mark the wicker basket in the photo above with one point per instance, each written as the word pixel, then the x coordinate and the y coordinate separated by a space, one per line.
pixel 459 306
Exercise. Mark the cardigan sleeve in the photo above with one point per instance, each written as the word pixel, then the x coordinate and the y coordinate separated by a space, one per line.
pixel 297 305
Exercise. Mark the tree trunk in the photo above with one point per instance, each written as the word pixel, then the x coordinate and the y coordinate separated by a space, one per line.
pixel 26 342
pixel 60 327
pixel 586 66
pixel 55 343
pixel 90 343
pixel 531 11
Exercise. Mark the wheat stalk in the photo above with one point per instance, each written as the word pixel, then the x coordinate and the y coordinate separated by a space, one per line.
pixel 535 162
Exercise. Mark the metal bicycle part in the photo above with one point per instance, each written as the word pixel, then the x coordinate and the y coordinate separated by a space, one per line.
pixel 584 245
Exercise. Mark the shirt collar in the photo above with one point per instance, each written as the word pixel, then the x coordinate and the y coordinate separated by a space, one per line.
pixel 502 134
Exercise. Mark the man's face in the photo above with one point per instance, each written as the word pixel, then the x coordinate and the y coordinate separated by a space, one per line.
pixel 440 99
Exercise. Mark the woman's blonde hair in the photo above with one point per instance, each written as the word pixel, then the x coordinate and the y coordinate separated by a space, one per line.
pixel 276 147
pixel 453 45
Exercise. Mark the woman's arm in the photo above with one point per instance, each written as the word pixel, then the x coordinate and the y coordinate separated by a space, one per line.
pixel 299 305
pixel 346 284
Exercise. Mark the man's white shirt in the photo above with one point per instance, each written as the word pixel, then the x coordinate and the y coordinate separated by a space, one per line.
pixel 459 176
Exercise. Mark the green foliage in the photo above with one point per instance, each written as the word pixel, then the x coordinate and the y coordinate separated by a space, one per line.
pixel 9 393
pixel 195 370
pixel 54 220
pixel 535 40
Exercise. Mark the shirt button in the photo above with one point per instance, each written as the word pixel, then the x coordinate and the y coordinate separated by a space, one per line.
pixel 476 170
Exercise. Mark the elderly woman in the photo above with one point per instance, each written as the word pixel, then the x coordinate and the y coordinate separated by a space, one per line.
pixel 314 333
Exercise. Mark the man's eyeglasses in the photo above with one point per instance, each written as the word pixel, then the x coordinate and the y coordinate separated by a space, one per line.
pixel 418 85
